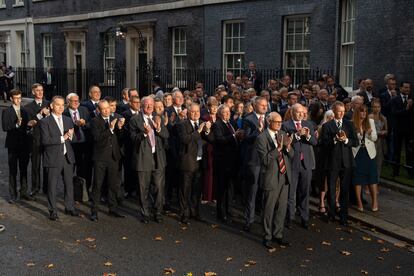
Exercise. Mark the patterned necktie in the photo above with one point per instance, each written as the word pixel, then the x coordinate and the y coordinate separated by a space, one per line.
pixel 151 134
pixel 339 124
pixel 281 162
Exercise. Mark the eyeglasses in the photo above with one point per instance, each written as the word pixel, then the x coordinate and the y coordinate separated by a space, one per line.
pixel 278 122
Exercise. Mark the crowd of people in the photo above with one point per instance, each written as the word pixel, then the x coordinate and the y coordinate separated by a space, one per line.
pixel 266 143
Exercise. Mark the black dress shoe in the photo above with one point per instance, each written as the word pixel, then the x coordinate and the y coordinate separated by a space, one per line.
pixel 282 242
pixel 12 201
pixel 344 222
pixel 184 220
pixel 145 220
pixel 27 197
pixel 268 244
pixel 94 217
pixel 116 214
pixel 158 218
pixel 73 213
pixel 53 216
pixel 198 218
pixel 247 227
pixel 305 224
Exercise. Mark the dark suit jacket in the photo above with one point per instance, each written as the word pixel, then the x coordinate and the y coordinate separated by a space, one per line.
pixel 225 145
pixel 105 143
pixel 402 119
pixel 339 155
pixel 269 165
pixel 83 113
pixel 188 140
pixel 173 143
pixel 16 137
pixel 90 106
pixel 121 107
pixel 301 145
pixel 33 109
pixel 250 126
pixel 142 158
pixel 51 140
pixel 341 93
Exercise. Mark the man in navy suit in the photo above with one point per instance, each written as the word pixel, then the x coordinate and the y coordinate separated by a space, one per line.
pixel 14 122
pixel 253 124
pixel 303 138
pixel 57 132
pixel 338 138
pixel 92 103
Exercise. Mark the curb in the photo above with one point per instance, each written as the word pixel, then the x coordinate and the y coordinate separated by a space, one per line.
pixel 397 187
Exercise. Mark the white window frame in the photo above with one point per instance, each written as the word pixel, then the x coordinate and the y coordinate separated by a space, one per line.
pixel 21 44
pixel 2 4
pixel 47 51
pixel 109 58
pixel 347 44
pixel 18 3
pixel 304 51
pixel 179 59
pixel 236 55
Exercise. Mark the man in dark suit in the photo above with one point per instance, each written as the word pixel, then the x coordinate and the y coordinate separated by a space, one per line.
pixel 303 162
pixel 335 89
pixel 275 154
pixel 149 136
pixel 129 174
pixel 127 94
pixel 81 140
pixel 254 76
pixel 190 133
pixel 49 83
pixel 338 138
pixel 176 113
pixel 292 99
pixel 225 161
pixel 369 93
pixel 402 112
pixel 92 103
pixel 57 131
pixel 252 125
pixel 105 131
pixel 356 102
pixel 14 122
pixel 37 109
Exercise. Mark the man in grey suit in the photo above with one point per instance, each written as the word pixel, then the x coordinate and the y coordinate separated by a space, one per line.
pixel 56 133
pixel 149 136
pixel 275 153
pixel 303 136
pixel 253 124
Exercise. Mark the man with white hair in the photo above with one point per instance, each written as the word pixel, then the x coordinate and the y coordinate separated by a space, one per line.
pixel 81 140
pixel 356 101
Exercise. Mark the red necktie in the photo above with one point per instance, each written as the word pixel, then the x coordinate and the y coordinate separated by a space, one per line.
pixel 77 133
pixel 282 166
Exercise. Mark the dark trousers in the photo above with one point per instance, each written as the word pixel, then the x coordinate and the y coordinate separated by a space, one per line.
pixel 224 179
pixel 65 172
pixel 83 165
pixel 17 158
pixel 345 175
pixel 251 187
pixel 105 172
pixel 151 186
pixel 130 177
pixel 299 191
pixel 189 195
pixel 36 157
pixel 171 180
pixel 399 139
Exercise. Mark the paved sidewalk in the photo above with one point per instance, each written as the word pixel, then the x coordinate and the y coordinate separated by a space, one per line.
pixel 395 216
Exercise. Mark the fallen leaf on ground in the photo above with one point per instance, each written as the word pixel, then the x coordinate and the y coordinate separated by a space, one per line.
pixel 364 272
pixel 214 226
pixel 93 246
pixel 169 271
pixel 318 230
pixel 158 238
pixel 30 264
pixel 49 266
pixel 251 262
pixel 177 242
pixel 108 264
pixel 346 253
pixel 184 228
pixel 338 228
pixel 380 258
pixel 350 231
pixel 78 241
pixel 313 224
pixel 309 248
pixel 228 259
pixel 397 267
pixel 20 247
pixel 385 250
pixel 365 238
pixel 89 239
pixel 271 250
pixel 326 243
pixel 109 274
pixel 399 244
pixel 341 238
pixel 124 238
pixel 210 273
pixel 380 241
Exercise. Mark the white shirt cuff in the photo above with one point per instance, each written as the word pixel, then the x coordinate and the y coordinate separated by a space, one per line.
pixel 62 140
